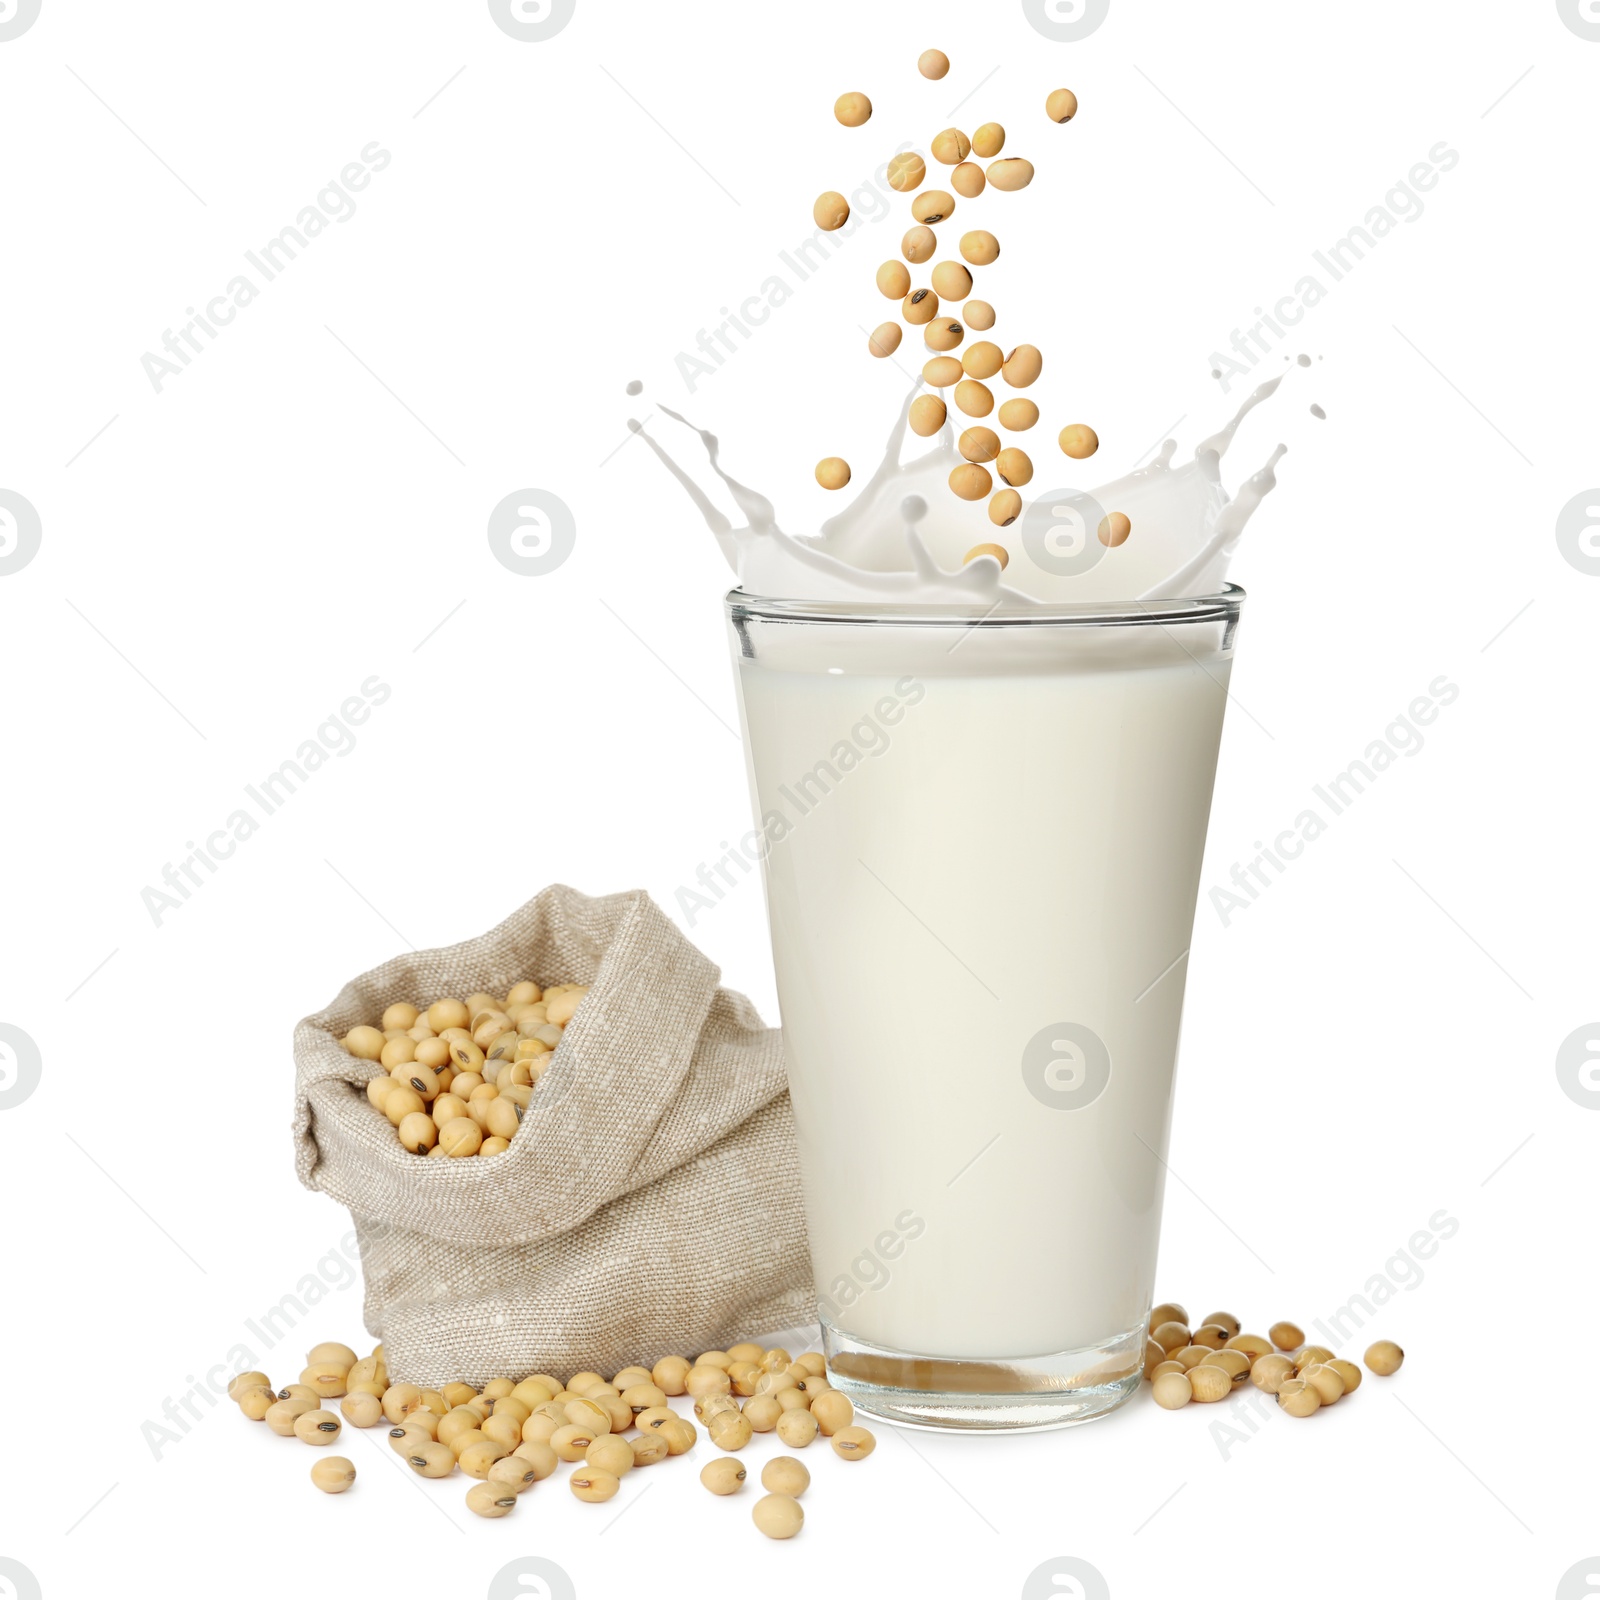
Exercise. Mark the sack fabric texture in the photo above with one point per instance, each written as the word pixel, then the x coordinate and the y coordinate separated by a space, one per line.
pixel 650 1200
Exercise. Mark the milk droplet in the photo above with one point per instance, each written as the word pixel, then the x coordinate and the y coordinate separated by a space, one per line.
pixel 913 508
pixel 635 387
pixel 1319 413
pixel 1305 361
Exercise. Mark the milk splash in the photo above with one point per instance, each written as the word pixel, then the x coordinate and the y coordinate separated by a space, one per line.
pixel 890 545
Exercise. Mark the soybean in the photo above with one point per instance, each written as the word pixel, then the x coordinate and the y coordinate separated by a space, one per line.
pixel 1270 1373
pixel 1022 366
pixel 444 1014
pixel 854 1444
pixel 779 1515
pixel 428 1458
pixel 594 1485
pixel 975 398
pixel 950 147
pixel 516 1475
pixel 989 140
pixel 927 415
pixel 400 1103
pixel 980 314
pixel 1349 1372
pixel 832 1410
pixel 540 1457
pixel 1172 1390
pixel 943 334
pixel 983 360
pixel 1234 1362
pixel 884 340
pixel 762 1413
pixel 1299 1399
pixel 317 1427
pixel 933 63
pixel 1004 509
pixel 968 180
pixel 1017 416
pixel 852 109
pixel 785 1475
pixel 333 1474
pixel 1080 441
pixel 920 307
pixel 894 282
pixel 362 1410
pixel 572 1442
pixel 1328 1384
pixel 932 206
pixel 979 444
pixel 798 1428
pixel 725 1475
pixel 952 280
pixel 491 1499
pixel 418 1133
pixel 1286 1336
pixel 906 172
pixel 940 373
pixel 1014 467
pixel 831 210
pixel 610 1454
pixel 970 482
pixel 997 552
pixel 918 244
pixel 1384 1358
pixel 680 1435
pixel 731 1430
pixel 364 1043
pixel 669 1374
pixel 1061 105
pixel 461 1136
pixel 1114 530
pixel 282 1415
pixel 980 247
pixel 257 1401
pixel 397 1052
pixel 1011 174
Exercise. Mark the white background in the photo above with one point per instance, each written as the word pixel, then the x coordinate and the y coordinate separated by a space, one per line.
pixel 222 563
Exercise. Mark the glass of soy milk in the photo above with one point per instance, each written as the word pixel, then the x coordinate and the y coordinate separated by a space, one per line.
pixel 982 835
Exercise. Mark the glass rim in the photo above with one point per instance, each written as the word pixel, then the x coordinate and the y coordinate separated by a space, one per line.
pixel 1223 606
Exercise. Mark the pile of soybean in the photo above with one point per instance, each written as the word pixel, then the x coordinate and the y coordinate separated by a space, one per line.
pixel 926 307
pixel 509 1436
pixel 1210 1363
pixel 459 1075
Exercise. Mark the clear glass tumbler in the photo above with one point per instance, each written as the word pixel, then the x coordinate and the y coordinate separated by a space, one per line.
pixel 982 837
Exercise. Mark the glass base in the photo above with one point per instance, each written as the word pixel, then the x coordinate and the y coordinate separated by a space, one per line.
pixel 972 1396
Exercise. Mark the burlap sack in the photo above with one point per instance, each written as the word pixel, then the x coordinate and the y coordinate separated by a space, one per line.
pixel 650 1201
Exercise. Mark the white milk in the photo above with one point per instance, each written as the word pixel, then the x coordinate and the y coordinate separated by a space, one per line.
pixel 983 853
pixel 978 843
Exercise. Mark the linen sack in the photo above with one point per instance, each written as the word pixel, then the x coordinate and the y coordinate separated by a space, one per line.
pixel 650 1200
